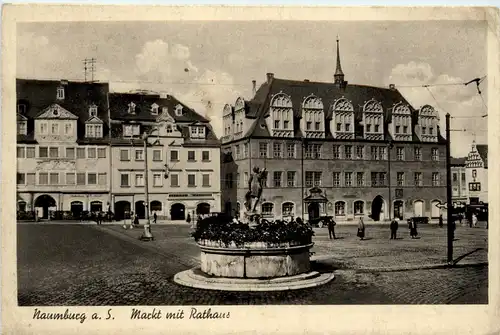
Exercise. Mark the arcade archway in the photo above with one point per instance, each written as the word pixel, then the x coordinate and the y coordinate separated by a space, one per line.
pixel 178 212
pixel 378 208
pixel 45 201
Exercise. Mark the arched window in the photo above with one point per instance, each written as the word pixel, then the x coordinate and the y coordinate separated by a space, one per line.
pixel 287 209
pixel 281 115
pixel 359 207
pixel 267 209
pixel 373 114
pixel 428 120
pixel 312 114
pixel 339 208
pixel 418 208
pixel 401 122
pixel 342 123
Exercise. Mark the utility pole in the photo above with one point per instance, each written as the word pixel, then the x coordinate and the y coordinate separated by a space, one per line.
pixel 449 207
pixel 146 236
pixel 389 147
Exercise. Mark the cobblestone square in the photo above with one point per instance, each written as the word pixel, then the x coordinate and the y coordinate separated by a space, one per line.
pixel 63 264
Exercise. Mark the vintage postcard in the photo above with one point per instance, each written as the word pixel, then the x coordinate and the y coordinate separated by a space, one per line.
pixel 249 169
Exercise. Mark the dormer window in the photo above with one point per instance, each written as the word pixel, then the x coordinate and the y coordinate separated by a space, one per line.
pixel 21 109
pixel 130 130
pixel 178 110
pixel 22 127
pixel 164 110
pixel 131 108
pixel 197 132
pixel 60 93
pixel 154 109
pixel 281 111
pixel 93 130
pixel 93 111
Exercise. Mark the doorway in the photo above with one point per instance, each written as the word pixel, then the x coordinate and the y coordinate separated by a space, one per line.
pixel 45 202
pixel 398 209
pixel 122 210
pixel 76 209
pixel 378 208
pixel 96 206
pixel 178 212
pixel 313 210
pixel 140 209
pixel 418 207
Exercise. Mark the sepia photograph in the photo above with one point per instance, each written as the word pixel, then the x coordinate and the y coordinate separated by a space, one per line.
pixel 209 163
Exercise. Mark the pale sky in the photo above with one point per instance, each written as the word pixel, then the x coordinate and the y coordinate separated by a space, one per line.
pixel 209 64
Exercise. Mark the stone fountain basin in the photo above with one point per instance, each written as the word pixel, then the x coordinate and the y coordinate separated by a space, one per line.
pixel 254 260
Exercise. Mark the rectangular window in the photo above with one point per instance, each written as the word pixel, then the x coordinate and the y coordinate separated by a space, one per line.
pixel 277 150
pixel 339 126
pixel 102 179
pixel 55 128
pixel 423 130
pixel 174 180
pixel 374 153
pixel 44 128
pixel 400 153
pixel 308 125
pixel 377 128
pixel 174 155
pixel 205 180
pixel 205 156
pixel 316 126
pixel 382 153
pixel 418 154
pixel 124 180
pixel 382 179
pixel 290 178
pixel 336 151
pixel 238 152
pixel 157 180
pixel 374 178
pixel 313 151
pixel 347 127
pixel 348 152
pixel 80 178
pixel 98 130
pixel 139 179
pixel 157 155
pixel 405 129
pixel 43 178
pixel 70 153
pixel 92 153
pixel 398 129
pixel 191 180
pixel 401 178
pixel 101 152
pixel 276 124
pixel 360 179
pixel 277 178
pixel 336 179
pixel 435 179
pixel 317 178
pixel 43 152
pixel 89 130
pixel 245 151
pixel 31 178
pixel 80 153
pixel 455 177
pixel 348 179
pixel 92 179
pixel 290 149
pixel 286 124
pixel 30 152
pixel 360 151
pixel 191 156
pixel 20 152
pixel 139 155
pixel 54 178
pixel 463 177
pixel 67 129
pixel 54 152
pixel 309 178
pixel 435 154
pixel 368 128
pixel 70 178
pixel 22 128
pixel 124 155
pixel 21 179
pixel 262 149
pixel 418 178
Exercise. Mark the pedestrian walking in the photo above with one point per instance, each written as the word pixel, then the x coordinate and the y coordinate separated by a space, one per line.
pixel 155 217
pixel 188 218
pixel 136 220
pixel 331 228
pixel 474 219
pixel 99 218
pixel 394 228
pixel 361 229
pixel 460 218
pixel 413 228
pixel 440 220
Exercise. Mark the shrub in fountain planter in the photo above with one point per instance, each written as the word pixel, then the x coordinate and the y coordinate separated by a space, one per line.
pixel 270 249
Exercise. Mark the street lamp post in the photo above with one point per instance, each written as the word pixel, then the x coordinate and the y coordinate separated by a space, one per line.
pixel 389 148
pixel 449 219
pixel 147 235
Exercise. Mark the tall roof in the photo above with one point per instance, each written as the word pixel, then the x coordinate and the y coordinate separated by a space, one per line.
pixel 482 149
pixel 37 95
pixel 328 92
pixel 459 161
pixel 119 102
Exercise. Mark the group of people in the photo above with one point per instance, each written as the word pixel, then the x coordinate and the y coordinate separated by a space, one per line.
pixel 412 226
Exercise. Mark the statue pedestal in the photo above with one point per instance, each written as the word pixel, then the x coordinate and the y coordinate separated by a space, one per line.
pixel 251 218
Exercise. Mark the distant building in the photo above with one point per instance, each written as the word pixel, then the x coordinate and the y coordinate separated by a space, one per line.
pixel 62 146
pixel 460 194
pixel 476 166
pixel 184 149
pixel 328 146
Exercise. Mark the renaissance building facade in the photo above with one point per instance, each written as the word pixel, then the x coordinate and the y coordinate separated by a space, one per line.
pixel 183 156
pixel 334 148
pixel 63 156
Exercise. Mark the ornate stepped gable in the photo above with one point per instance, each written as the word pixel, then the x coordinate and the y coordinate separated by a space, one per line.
pixel 373 120
pixel 342 112
pixel 477 157
pixel 401 125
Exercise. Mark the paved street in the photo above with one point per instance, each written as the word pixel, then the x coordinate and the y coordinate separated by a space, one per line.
pixel 107 265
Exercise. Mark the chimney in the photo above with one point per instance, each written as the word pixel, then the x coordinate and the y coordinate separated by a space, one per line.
pixel 254 87
pixel 392 87
pixel 270 77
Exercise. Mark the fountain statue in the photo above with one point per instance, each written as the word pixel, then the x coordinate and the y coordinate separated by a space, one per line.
pixel 254 195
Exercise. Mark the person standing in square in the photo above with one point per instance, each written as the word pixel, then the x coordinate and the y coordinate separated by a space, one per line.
pixel 394 229
pixel 331 228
